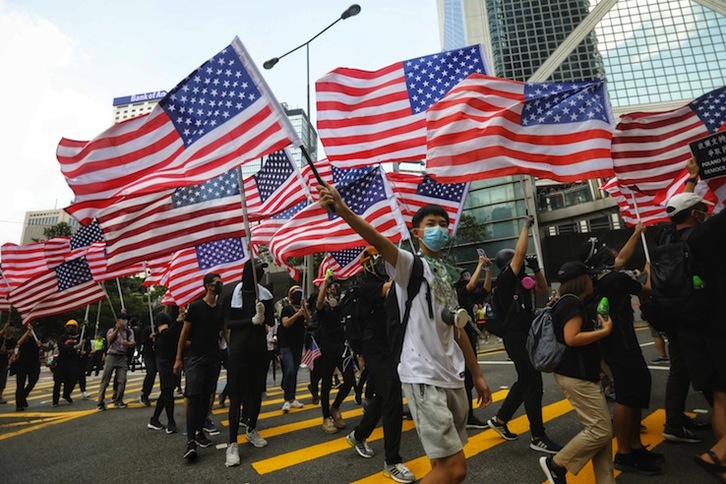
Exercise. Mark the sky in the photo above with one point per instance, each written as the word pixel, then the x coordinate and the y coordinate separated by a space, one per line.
pixel 64 62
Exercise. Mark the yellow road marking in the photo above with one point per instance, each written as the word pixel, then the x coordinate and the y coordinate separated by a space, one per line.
pixel 482 441
pixel 652 437
pixel 65 417
pixel 320 450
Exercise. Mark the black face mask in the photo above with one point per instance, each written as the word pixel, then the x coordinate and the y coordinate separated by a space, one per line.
pixel 217 288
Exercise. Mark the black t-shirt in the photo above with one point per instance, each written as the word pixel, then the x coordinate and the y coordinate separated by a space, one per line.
pixel 6 345
pixel 167 341
pixel 67 354
pixel 147 344
pixel 294 336
pixel 582 362
pixel 29 353
pixel 508 288
pixel 246 337
pixel 618 287
pixel 206 323
pixel 331 334
pixel 375 336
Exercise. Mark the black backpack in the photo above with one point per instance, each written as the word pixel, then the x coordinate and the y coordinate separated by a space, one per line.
pixel 673 296
pixel 354 317
pixel 498 319
pixel 395 324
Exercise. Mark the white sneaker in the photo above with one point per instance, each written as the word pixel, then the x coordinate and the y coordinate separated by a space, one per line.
pixel 296 404
pixel 399 473
pixel 85 396
pixel 254 438
pixel 285 407
pixel 232 455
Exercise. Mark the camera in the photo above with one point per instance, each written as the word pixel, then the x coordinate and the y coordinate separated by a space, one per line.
pixel 455 317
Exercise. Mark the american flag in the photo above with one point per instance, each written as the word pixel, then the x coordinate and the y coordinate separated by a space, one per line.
pixel 221 116
pixel 21 263
pixel 155 270
pixel 367 117
pixel 67 286
pixel 415 191
pixel 154 225
pixel 712 190
pixel 4 292
pixel 488 127
pixel 313 229
pixel 185 275
pixel 650 211
pixel 278 186
pixel 325 170
pixel 96 256
pixel 4 304
pixel 650 149
pixel 344 264
pixel 311 354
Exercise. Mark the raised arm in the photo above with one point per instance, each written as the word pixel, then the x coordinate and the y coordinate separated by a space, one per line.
pixel 627 251
pixel 520 250
pixel 330 200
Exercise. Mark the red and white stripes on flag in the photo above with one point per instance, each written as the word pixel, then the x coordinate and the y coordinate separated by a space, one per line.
pixel 21 263
pixel 488 127
pixel 325 170
pixel 712 190
pixel 344 264
pixel 650 211
pixel 221 116
pixel 415 191
pixel 313 229
pixel 368 117
pixel 650 149
pixel 311 354
pixel 96 256
pixel 55 291
pixel 184 278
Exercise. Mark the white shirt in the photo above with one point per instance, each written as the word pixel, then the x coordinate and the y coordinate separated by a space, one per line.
pixel 430 353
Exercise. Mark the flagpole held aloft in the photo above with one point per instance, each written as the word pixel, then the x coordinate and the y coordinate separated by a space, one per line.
pixel 98 317
pixel 148 298
pixel 120 294
pixel 642 234
pixel 248 232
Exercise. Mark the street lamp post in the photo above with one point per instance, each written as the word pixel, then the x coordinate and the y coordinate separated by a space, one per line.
pixel 351 11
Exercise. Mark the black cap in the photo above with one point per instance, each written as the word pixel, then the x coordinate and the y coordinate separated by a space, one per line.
pixel 572 270
pixel 123 315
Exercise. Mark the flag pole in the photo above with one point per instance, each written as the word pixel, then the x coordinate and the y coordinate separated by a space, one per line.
pixel 109 301
pixel 148 298
pixel 98 317
pixel 248 233
pixel 531 209
pixel 642 234
pixel 120 294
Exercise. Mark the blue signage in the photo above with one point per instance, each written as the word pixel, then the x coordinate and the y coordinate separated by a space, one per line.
pixel 138 98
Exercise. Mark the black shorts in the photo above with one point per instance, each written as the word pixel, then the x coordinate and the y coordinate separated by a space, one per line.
pixel 703 352
pixel 201 375
pixel 632 381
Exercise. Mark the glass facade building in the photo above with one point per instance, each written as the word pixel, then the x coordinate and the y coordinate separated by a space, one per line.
pixel 657 51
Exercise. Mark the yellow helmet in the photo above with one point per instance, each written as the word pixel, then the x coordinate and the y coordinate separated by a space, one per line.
pixel 72 322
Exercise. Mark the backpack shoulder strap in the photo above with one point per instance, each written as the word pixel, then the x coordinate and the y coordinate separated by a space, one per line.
pixel 414 286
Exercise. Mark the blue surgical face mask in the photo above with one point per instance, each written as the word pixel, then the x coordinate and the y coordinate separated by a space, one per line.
pixel 435 238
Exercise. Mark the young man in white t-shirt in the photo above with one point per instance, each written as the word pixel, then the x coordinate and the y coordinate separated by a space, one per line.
pixel 434 353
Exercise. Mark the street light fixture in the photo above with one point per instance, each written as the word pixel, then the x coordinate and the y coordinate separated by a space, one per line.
pixel 351 11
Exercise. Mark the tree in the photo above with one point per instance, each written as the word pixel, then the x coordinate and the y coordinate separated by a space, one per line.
pixel 470 230
pixel 61 229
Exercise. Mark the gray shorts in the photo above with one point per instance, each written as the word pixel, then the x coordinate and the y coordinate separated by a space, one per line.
pixel 440 415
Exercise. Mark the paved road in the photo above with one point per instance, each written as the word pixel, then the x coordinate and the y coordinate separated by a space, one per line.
pixel 74 443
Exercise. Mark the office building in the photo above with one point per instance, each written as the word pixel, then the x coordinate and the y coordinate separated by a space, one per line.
pixel 38 220
pixel 654 55
pixel 127 107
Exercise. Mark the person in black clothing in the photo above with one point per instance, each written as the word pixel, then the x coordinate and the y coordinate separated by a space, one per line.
pixel 165 345
pixel 622 354
pixel 703 344
pixel 83 361
pixel 331 339
pixel 148 353
pixel 246 312
pixel 385 386
pixel 28 368
pixel 578 376
pixel 67 363
pixel 198 350
pixel 467 291
pixel 513 302
pixel 294 318
pixel 7 343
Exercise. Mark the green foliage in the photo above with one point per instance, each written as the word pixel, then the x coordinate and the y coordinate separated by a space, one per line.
pixel 470 230
pixel 61 229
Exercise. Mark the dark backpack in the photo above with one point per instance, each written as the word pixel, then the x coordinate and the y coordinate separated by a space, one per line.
pixel 673 298
pixel 497 318
pixel 395 323
pixel 544 350
pixel 354 317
